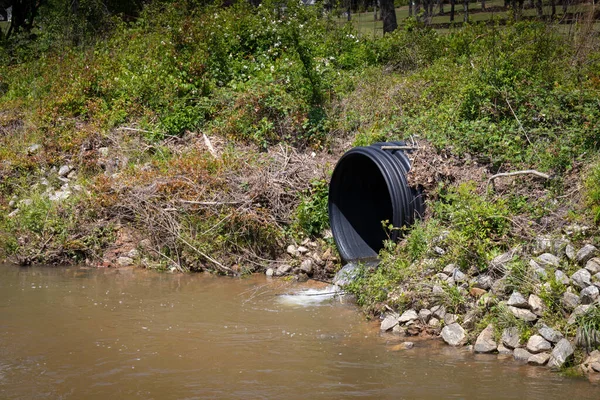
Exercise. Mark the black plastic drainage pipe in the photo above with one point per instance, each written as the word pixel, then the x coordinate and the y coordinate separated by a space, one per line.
pixel 369 186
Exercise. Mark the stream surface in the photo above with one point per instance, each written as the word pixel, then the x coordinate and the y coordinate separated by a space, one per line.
pixel 73 333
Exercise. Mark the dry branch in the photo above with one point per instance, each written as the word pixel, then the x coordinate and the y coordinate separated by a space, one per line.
pixel 514 173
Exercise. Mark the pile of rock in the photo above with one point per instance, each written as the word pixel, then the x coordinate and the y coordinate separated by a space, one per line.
pixel 305 260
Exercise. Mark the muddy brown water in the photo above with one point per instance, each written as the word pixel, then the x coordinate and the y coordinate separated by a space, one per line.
pixel 72 333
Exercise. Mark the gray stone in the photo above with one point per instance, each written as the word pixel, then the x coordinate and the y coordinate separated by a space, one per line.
pixel 586 253
pixel 449 269
pixel 64 170
pixel 561 277
pixel 550 334
pixel 579 310
pixel 576 229
pixel 434 322
pixel 570 252
pixel 283 269
pixel 438 311
pixel 124 261
pixel 459 276
pixel 523 314
pixel 484 282
pixel 302 250
pixel 570 300
pixel 538 270
pixel 504 350
pixel 593 265
pixel 542 244
pixel 453 334
pixel 517 300
pixel 307 266
pixel 538 359
pixel 437 289
pixel 499 287
pixel 33 148
pixel 441 276
pixel 589 295
pixel 470 319
pixel 399 330
pixel 25 203
pixel 389 322
pixel 582 278
pixel 292 250
pixel 270 272
pixel 424 315
pixel 485 341
pixel 407 316
pixel 561 353
pixel 450 318
pixel 510 337
pixel 439 251
pixel 548 260
pixel 537 344
pixel 536 305
pixel 499 262
pixel 521 354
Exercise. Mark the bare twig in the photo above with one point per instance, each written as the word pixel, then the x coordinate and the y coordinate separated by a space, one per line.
pixel 213 203
pixel 399 148
pixel 126 128
pixel 514 173
pixel 517 119
pixel 209 145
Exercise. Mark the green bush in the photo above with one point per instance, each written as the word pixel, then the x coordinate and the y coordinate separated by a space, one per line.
pixel 311 217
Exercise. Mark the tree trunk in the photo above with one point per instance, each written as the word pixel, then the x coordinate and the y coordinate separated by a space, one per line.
pixel 426 10
pixel 430 10
pixel 482 5
pixel 417 9
pixel 564 6
pixel 452 3
pixel 506 3
pixel 553 5
pixel 388 14
pixel 531 5
pixel 538 7
pixel 410 8
pixel 466 10
pixel 441 7
pixel 349 10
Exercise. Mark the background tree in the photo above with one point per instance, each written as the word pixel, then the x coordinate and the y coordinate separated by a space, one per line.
pixel 388 14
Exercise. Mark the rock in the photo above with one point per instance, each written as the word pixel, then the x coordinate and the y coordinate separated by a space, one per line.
pixel 537 269
pixel 33 149
pixel 124 261
pixel 283 269
pixel 570 300
pixel 589 295
pixel 438 311
pixel 270 272
pixel 307 266
pixel 499 263
pixel 470 318
pixel 523 314
pixel 570 252
pixel 302 250
pixel 536 305
pixel 439 251
pixel 477 292
pixel 25 203
pixel 579 310
pixel 582 278
pixel 517 300
pixel 586 253
pixel 593 265
pixel 504 350
pixel 399 330
pixel 561 353
pixel 561 277
pixel 485 341
pixel 453 334
pixel 407 316
pixel 550 334
pixel 542 244
pixel 103 151
pixel 327 256
pixel 424 315
pixel 389 322
pixel 292 250
pixel 538 359
pixel 511 337
pixel 59 195
pixel 537 344
pixel 434 322
pixel 521 354
pixel 133 253
pixel 449 269
pixel 548 260
pixel 484 282
pixel 437 289
pixel 413 330
pixel 441 276
pixel 459 276
pixel 450 318
pixel 403 346
pixel 499 287
pixel 64 170
pixel 576 229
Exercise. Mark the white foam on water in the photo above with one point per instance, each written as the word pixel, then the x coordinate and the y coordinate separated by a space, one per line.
pixel 311 297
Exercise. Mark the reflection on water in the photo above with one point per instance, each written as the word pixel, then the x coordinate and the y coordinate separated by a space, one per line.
pixel 87 333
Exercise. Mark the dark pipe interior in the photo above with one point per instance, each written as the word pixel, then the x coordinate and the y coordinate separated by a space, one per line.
pixel 360 200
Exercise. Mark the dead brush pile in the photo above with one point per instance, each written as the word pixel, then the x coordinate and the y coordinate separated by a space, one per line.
pixel 210 205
